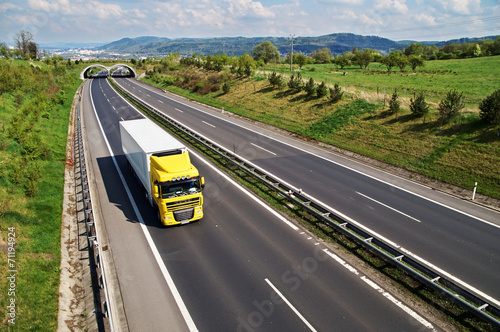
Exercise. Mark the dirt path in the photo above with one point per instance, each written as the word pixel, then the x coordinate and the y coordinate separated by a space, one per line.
pixel 71 287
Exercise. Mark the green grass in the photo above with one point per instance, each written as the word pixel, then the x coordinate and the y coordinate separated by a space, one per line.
pixel 461 152
pixel 37 219
pixel 457 316
pixel 476 77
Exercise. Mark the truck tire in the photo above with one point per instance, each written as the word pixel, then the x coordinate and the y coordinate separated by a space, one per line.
pixel 158 216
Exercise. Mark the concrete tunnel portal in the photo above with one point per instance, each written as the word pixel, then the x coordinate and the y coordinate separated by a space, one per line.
pixel 85 73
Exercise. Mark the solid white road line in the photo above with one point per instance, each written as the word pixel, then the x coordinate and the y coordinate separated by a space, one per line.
pixel 260 147
pixel 334 162
pixel 290 305
pixel 358 224
pixel 286 221
pixel 387 206
pixel 178 299
pixel 384 293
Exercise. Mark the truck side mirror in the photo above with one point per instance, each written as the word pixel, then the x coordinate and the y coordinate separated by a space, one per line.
pixel 202 182
pixel 155 191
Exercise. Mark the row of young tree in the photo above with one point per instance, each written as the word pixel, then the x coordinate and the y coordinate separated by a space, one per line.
pixel 450 107
pixel 266 52
pixel 412 56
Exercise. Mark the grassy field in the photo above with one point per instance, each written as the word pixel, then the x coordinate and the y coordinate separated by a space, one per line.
pixel 461 152
pixel 38 105
pixel 476 77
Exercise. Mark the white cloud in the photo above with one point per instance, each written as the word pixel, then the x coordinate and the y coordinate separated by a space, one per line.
pixel 104 11
pixel 247 8
pixel 346 15
pixel 340 2
pixel 425 19
pixel 7 6
pixel 392 6
pixel 464 7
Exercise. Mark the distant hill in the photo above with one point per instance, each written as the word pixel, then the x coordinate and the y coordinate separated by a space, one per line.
pixel 65 46
pixel 235 46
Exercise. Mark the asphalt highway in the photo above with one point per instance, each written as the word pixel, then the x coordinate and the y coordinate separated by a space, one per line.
pixel 452 235
pixel 243 267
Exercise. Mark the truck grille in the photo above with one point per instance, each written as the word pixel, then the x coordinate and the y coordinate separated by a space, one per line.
pixel 183 215
pixel 182 205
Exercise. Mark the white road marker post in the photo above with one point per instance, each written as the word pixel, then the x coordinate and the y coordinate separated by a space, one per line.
pixel 474 192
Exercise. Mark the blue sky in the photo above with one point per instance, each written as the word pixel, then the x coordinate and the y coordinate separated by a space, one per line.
pixel 53 21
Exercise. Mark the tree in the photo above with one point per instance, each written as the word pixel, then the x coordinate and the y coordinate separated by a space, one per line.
pixel 415 61
pixel 275 79
pixel 310 88
pixel 490 108
pixel 295 82
pixel 25 43
pixel 245 63
pixel 321 90
pixel 265 51
pixel 341 61
pixel 363 58
pixel 414 49
pixel 394 104
pixel 336 93
pixel 451 105
pixel 4 50
pixel 419 106
pixel 322 56
pixel 401 62
pixel 389 61
pixel 300 59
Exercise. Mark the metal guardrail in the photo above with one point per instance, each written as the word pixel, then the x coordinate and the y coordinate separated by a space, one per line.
pixel 82 189
pixel 446 287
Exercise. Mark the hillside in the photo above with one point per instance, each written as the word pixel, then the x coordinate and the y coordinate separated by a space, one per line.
pixel 338 43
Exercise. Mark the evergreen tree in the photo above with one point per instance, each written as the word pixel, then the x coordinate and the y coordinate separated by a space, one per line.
pixel 490 108
pixel 394 104
pixel 451 105
pixel 419 106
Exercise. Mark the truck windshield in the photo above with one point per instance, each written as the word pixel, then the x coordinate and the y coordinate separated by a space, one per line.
pixel 181 188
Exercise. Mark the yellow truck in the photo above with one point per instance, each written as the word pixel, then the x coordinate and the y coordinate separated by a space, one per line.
pixel 162 165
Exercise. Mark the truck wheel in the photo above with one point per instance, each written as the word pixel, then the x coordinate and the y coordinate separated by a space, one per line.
pixel 158 216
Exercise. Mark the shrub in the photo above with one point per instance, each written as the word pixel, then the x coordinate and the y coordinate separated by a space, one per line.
pixel 336 93
pixel 419 106
pixel 451 105
pixel 321 90
pixel 295 82
pixel 275 79
pixel 310 88
pixel 226 87
pixel 490 108
pixel 394 104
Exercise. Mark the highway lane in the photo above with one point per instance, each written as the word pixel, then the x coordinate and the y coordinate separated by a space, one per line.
pixel 454 241
pixel 229 266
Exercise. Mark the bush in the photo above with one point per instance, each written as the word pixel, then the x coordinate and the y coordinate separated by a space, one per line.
pixel 310 88
pixel 490 108
pixel 226 87
pixel 451 105
pixel 295 82
pixel 321 90
pixel 394 104
pixel 419 106
pixel 336 93
pixel 275 79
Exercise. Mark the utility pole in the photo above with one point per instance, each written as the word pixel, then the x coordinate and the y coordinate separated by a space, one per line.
pixel 291 54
